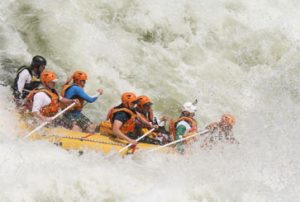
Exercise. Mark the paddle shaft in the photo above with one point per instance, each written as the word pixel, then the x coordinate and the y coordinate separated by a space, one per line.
pixel 179 140
pixel 129 145
pixel 54 117
pixel 46 122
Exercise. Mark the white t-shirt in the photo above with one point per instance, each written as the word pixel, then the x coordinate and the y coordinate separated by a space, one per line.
pixel 185 124
pixel 40 100
pixel 24 77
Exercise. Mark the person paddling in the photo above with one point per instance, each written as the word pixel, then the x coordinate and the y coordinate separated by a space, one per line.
pixel 221 131
pixel 184 125
pixel 28 78
pixel 123 117
pixel 44 101
pixel 144 109
pixel 74 117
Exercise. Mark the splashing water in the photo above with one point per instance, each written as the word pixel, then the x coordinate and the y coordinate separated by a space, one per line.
pixel 233 56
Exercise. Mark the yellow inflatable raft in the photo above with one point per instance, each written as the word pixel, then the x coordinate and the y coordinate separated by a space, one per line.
pixel 102 141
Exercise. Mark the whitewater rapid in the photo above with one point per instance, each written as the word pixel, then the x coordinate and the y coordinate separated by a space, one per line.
pixel 234 56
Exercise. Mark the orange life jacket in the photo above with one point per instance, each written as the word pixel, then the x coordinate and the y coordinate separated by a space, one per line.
pixel 77 107
pixel 173 124
pixel 127 127
pixel 49 110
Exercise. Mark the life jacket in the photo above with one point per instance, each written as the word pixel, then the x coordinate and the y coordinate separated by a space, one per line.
pixel 15 85
pixel 127 127
pixel 173 124
pixel 49 110
pixel 34 83
pixel 77 107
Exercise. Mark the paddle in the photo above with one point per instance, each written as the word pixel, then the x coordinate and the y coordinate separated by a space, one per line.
pixel 54 117
pixel 179 140
pixel 46 122
pixel 129 145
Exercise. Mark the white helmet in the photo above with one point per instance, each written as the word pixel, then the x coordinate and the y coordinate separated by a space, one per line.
pixel 189 107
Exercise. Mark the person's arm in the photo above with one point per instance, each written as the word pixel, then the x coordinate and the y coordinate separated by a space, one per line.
pixel 144 120
pixel 211 127
pixel 231 138
pixel 68 101
pixel 117 131
pixel 41 117
pixel 80 93
pixel 24 77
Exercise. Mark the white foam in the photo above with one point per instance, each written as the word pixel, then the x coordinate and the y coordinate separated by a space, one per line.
pixel 233 56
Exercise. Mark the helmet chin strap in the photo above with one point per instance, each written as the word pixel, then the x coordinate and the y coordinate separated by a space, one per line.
pixel 35 70
pixel 78 83
pixel 128 106
pixel 40 69
pixel 45 84
pixel 125 105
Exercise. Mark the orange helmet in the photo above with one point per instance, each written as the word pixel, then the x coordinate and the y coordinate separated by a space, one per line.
pixel 228 119
pixel 48 76
pixel 142 100
pixel 128 98
pixel 80 76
